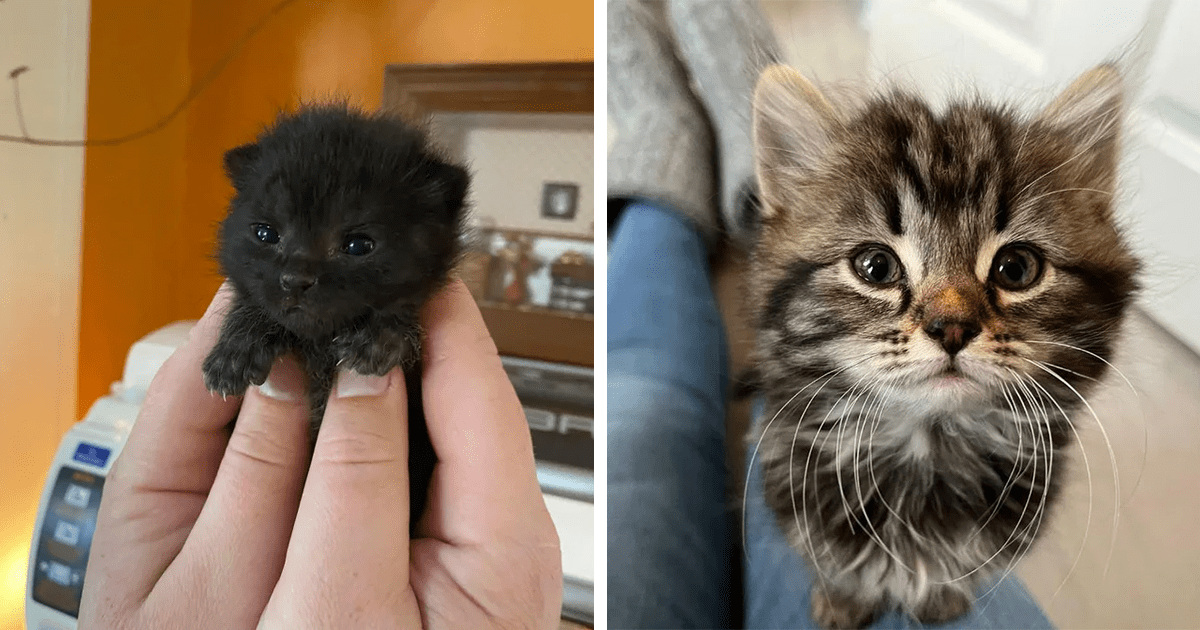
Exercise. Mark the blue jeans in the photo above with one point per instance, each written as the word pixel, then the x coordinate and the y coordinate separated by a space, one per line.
pixel 674 544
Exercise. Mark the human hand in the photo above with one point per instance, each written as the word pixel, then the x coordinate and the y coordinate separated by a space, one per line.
pixel 203 528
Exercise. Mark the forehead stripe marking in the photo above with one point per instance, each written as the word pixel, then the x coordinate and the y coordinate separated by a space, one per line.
pixel 892 205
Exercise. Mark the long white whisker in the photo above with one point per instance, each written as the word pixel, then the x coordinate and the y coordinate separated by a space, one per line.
pixel 1012 475
pixel 1094 355
pixel 862 422
pixel 1087 467
pixel 1112 456
pixel 804 485
pixel 1077 155
pixel 1145 427
pixel 837 455
pixel 749 465
pixel 875 481
pixel 1035 522
pixel 1017 526
pixel 825 441
pixel 1063 190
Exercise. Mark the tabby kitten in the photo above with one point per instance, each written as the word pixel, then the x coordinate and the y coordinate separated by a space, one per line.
pixel 934 294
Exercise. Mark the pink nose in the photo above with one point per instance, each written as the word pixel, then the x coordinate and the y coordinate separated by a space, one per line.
pixel 954 335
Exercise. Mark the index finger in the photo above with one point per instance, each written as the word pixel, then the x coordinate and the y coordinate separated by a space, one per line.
pixel 159 483
pixel 486 479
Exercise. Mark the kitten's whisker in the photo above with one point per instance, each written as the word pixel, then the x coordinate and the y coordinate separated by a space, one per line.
pixel 1093 355
pixel 749 465
pixel 1025 508
pixel 1070 371
pixel 1145 428
pixel 875 481
pixel 855 458
pixel 837 457
pixel 1038 515
pixel 1063 190
pixel 850 517
pixel 878 413
pixel 808 467
pixel 792 469
pixel 1112 456
pixel 1083 151
pixel 837 465
pixel 994 509
pixel 1087 467
pixel 857 464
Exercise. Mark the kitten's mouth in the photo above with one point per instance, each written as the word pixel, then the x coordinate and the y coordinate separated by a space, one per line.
pixel 950 375
pixel 296 317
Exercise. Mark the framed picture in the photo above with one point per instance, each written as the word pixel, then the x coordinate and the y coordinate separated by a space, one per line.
pixel 559 200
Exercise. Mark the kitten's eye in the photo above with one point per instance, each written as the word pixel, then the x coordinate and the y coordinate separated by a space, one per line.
pixel 266 233
pixel 877 265
pixel 1016 267
pixel 358 245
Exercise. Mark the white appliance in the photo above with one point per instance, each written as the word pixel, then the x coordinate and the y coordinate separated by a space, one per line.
pixel 66 517
pixel 62 537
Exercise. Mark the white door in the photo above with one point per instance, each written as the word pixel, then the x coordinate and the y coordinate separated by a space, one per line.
pixel 1028 49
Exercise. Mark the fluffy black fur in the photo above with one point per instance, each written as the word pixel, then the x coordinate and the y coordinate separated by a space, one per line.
pixel 342 226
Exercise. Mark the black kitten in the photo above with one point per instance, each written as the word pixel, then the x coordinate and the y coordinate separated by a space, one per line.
pixel 342 226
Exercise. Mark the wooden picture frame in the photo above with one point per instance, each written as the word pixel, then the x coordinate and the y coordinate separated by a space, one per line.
pixel 554 87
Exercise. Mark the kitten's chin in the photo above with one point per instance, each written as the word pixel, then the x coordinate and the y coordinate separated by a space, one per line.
pixel 954 384
pixel 948 385
pixel 303 322
pixel 940 394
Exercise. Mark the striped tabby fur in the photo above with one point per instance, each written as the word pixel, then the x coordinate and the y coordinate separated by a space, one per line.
pixel 915 428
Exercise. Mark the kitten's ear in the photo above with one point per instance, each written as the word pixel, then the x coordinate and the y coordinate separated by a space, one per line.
pixel 1090 112
pixel 451 182
pixel 792 126
pixel 239 162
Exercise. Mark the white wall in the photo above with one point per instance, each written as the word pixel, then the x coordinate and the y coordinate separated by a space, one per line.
pixel 41 195
pixel 512 155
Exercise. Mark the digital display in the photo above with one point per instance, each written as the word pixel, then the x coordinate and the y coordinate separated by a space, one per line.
pixel 65 541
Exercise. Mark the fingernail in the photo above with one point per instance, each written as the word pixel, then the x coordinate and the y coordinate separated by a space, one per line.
pixel 351 384
pixel 285 382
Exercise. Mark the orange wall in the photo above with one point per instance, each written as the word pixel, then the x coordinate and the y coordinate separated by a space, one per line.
pixel 132 192
pixel 150 207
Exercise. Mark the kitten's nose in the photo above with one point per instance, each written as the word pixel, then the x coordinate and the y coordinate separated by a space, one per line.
pixel 954 335
pixel 297 282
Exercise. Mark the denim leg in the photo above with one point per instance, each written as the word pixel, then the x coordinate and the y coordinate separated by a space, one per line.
pixel 670 562
pixel 778 581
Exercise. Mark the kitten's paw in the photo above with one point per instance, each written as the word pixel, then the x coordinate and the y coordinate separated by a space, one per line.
pixel 376 352
pixel 839 612
pixel 942 605
pixel 229 371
